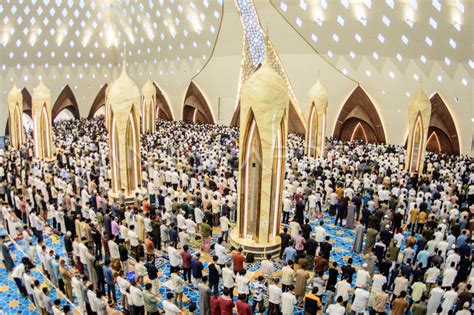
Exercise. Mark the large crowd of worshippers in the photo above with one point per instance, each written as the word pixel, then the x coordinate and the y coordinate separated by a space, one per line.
pixel 416 230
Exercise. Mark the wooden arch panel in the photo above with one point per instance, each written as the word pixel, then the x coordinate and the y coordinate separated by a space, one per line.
pixel 443 124
pixel 66 100
pixel 360 107
pixel 27 105
pixel 162 104
pixel 99 101
pixel 294 122
pixel 356 129
pixel 195 108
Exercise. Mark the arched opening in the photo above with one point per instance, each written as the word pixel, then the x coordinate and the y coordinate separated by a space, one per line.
pixel 295 124
pixel 414 158
pixel 27 116
pixel 99 103
pixel 359 112
pixel 442 124
pixel 65 114
pixel 27 123
pixel 252 170
pixel 66 100
pixel 439 142
pixel 355 129
pixel 196 110
pixel 100 112
pixel 163 109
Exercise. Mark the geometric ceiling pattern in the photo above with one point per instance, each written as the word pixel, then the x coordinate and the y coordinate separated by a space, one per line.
pixel 93 32
pixel 423 31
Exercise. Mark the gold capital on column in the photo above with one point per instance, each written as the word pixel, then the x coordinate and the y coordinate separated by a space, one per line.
pixel 148 107
pixel 123 124
pixel 15 109
pixel 419 114
pixel 263 137
pixel 316 121
pixel 42 123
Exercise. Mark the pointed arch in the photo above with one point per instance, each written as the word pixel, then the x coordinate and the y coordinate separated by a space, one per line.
pixel 162 105
pixel 442 123
pixel 250 196
pixel 359 108
pixel 294 122
pixel 66 100
pixel 99 101
pixel 196 108
pixel 27 105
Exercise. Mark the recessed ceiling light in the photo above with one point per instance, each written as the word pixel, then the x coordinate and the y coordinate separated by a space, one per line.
pixel 433 23
pixel 416 77
pixel 452 43
pixel 428 41
pixel 464 81
pixel 386 21
pixel 456 99
pixel 358 37
pixel 440 78
pixel 368 73
pixel 407 94
pixel 391 74
pixel 381 38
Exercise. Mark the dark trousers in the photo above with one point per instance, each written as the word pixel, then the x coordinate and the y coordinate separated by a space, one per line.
pixel 215 285
pixel 173 269
pixel 111 291
pixel 338 217
pixel 286 217
pixel 187 274
pixel 20 286
pixel 138 310
pixel 157 241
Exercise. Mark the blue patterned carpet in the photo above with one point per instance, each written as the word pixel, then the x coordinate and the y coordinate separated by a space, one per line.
pixel 11 302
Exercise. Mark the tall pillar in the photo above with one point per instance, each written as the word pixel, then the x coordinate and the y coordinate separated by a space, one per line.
pixel 316 124
pixel 123 124
pixel 15 109
pixel 148 109
pixel 42 125
pixel 419 113
pixel 263 136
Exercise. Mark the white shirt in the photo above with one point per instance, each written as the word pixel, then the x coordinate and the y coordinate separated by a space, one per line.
pixel 378 281
pixel 242 284
pixel 190 226
pixel 221 252
pixel 228 277
pixel 432 274
pixel 224 223
pixel 133 237
pixel 361 297
pixel 448 277
pixel 320 233
pixel 274 294
pixel 18 271
pixel 267 267
pixel 170 308
pixel 342 289
pixel 175 257
pixel 113 249
pixel 363 277
pixel 136 296
pixel 336 309
pixel 288 302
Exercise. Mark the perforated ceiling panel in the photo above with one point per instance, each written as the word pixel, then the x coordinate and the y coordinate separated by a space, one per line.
pixel 426 32
pixel 55 32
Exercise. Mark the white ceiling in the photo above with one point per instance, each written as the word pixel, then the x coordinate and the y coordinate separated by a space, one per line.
pixel 78 32
pixel 423 30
